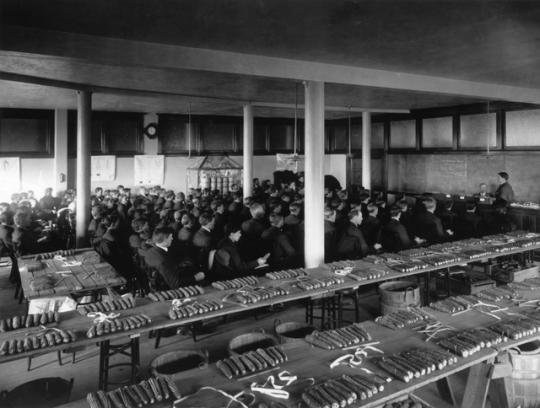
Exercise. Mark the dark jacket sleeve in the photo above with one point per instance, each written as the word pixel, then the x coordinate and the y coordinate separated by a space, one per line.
pixel 236 263
pixel 172 275
pixel 403 237
pixel 286 247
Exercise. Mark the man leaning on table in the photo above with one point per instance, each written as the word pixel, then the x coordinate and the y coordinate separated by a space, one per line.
pixel 175 273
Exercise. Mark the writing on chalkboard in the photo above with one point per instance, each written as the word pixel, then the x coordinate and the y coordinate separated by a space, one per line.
pixel 452 167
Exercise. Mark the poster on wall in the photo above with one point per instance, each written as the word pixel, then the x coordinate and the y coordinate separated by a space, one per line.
pixel 288 162
pixel 10 175
pixel 149 170
pixel 103 168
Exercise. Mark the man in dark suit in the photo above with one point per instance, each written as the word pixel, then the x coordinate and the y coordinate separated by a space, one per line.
pixel 483 193
pixel 371 225
pixel 330 235
pixel 504 191
pixel 235 208
pixel 281 249
pixel 235 264
pixel 293 219
pixel 221 219
pixel 470 224
pixel 166 264
pixel 394 235
pixel 429 226
pixel 203 240
pixel 251 244
pixel 351 244
pixel 25 241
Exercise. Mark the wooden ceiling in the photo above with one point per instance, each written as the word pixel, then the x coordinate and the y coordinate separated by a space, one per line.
pixel 159 56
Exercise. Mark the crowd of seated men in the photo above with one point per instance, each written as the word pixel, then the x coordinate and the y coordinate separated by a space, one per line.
pixel 25 223
pixel 205 236
pixel 366 225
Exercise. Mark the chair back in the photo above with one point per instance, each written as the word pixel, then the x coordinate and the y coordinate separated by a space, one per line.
pixel 211 257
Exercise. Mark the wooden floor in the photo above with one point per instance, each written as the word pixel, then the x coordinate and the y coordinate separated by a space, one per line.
pixel 213 336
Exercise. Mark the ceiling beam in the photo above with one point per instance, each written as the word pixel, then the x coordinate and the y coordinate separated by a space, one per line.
pixel 8 76
pixel 114 51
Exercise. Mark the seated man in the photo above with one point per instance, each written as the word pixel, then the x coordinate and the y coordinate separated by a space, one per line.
pixel 429 226
pixel 483 193
pixel 203 240
pixel 394 235
pixel 293 219
pixel 371 225
pixel 167 265
pixel 446 215
pixel 282 251
pixel 25 242
pixel 330 235
pixel 227 261
pixel 351 244
pixel 470 224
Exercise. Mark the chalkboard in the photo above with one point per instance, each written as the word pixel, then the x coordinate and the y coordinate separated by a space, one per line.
pixel 462 174
pixel 447 173
pixel 376 173
pixel 484 170
pixel 524 176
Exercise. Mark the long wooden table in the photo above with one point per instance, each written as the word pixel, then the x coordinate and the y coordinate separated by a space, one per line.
pixel 392 341
pixel 75 279
pixel 158 311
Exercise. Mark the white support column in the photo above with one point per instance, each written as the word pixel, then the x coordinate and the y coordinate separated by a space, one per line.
pixel 366 150
pixel 248 150
pixel 314 174
pixel 84 146
pixel 60 152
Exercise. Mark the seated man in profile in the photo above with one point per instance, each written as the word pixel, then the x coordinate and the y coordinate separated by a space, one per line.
pixel 227 262
pixel 282 251
pixel 428 225
pixel 483 193
pixel 167 265
pixel 394 235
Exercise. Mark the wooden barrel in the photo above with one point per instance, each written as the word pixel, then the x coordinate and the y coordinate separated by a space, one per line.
pixel 524 383
pixel 40 393
pixel 175 362
pixel 292 331
pixel 398 295
pixel 251 342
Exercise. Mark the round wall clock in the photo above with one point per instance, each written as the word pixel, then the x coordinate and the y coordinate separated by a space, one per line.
pixel 151 130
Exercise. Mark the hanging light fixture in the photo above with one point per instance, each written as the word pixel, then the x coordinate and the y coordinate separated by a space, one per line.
pixel 295 158
pixel 189 133
pixel 488 133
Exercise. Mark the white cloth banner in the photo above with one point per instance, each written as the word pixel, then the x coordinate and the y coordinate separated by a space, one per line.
pixel 103 168
pixel 288 162
pixel 10 174
pixel 149 170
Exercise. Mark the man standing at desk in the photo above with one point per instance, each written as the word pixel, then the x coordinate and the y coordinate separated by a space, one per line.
pixel 483 191
pixel 504 191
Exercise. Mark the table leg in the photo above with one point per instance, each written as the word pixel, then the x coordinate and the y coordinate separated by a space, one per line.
pixel 477 386
pixel 498 393
pixel 445 391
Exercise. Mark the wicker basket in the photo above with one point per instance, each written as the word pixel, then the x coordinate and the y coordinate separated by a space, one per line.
pixel 398 295
pixel 292 331
pixel 524 383
pixel 250 342
pixel 175 362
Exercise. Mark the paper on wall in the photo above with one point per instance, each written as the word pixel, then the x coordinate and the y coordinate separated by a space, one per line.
pixel 103 168
pixel 288 162
pixel 10 174
pixel 149 170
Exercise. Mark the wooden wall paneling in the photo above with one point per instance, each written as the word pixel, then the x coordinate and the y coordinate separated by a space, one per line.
pixel 282 138
pixel 26 133
pixel 217 137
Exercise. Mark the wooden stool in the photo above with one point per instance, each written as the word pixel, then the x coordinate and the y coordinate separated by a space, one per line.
pixel 108 350
pixel 351 294
pixel 328 310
